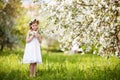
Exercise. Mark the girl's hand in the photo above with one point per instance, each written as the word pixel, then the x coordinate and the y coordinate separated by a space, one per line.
pixel 30 37
pixel 37 35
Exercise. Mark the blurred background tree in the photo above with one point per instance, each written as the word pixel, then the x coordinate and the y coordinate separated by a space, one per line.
pixel 94 23
pixel 10 10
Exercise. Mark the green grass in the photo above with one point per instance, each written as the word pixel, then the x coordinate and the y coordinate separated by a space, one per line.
pixel 57 66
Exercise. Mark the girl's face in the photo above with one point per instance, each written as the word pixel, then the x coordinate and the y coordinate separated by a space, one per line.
pixel 34 26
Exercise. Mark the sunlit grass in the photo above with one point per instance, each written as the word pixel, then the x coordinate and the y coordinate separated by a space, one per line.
pixel 57 66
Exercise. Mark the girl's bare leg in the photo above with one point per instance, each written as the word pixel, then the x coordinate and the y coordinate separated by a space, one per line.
pixel 34 70
pixel 31 69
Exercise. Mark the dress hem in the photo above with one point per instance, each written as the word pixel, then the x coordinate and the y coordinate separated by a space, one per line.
pixel 32 62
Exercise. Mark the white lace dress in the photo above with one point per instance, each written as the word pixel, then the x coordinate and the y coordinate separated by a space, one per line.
pixel 32 53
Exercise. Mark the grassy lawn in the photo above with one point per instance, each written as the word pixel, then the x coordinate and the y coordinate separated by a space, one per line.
pixel 57 66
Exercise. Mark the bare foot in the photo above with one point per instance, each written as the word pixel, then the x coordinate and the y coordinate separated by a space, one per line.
pixel 30 76
pixel 34 75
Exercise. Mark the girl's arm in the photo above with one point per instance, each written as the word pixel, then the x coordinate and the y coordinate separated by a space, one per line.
pixel 29 38
pixel 39 37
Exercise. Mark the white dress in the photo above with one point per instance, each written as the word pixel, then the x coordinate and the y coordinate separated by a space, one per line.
pixel 32 53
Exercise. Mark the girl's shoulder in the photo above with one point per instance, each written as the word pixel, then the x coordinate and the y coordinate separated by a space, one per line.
pixel 29 32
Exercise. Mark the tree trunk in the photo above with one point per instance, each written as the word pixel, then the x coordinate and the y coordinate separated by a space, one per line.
pixel 2 45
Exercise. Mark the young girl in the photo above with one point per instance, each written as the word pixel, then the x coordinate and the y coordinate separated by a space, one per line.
pixel 32 53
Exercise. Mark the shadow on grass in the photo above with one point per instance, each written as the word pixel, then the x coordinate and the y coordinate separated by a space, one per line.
pixel 55 50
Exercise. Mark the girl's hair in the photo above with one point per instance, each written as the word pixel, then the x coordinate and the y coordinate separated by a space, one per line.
pixel 33 22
